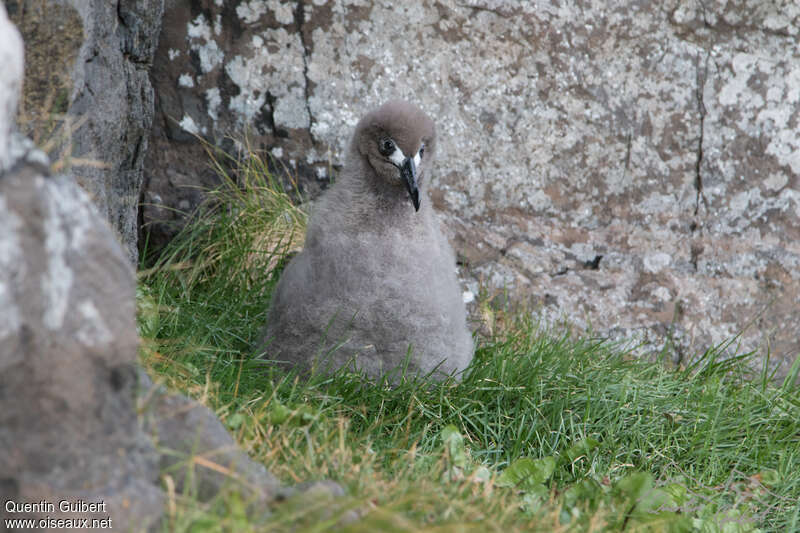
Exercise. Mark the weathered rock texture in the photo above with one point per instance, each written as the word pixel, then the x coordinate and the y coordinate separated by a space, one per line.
pixel 68 378
pixel 11 57
pixel 69 428
pixel 634 167
pixel 198 453
pixel 68 424
pixel 87 91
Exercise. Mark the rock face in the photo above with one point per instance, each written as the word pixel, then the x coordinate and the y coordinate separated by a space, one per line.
pixel 69 428
pixel 68 425
pixel 633 169
pixel 68 380
pixel 11 57
pixel 68 346
pixel 67 354
pixel 87 92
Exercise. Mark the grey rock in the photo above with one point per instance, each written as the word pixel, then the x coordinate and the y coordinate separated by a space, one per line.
pixel 323 500
pixel 375 284
pixel 68 373
pixel 202 73
pixel 68 349
pixel 68 345
pixel 69 427
pixel 627 168
pixel 198 452
pixel 87 92
pixel 68 353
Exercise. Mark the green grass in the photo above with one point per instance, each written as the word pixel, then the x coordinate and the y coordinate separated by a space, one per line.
pixel 546 432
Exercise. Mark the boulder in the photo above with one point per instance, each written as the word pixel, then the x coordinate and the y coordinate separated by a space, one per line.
pixel 68 348
pixel 68 424
pixel 625 168
pixel 198 453
pixel 68 374
pixel 73 445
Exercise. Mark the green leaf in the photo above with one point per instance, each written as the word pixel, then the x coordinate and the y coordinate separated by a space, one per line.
pixel 655 501
pixel 146 313
pixel 525 473
pixel 535 496
pixel 581 448
pixel 634 486
pixel 652 505
pixel 587 491
pixel 679 494
pixel 278 413
pixel 728 521
pixel 235 420
pixel 454 444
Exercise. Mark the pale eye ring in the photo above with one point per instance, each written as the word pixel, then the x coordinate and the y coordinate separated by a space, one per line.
pixel 386 147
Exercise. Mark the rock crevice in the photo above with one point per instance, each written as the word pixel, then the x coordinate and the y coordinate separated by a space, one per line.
pixel 300 18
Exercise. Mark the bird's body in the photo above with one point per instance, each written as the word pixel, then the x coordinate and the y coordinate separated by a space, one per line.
pixel 375 283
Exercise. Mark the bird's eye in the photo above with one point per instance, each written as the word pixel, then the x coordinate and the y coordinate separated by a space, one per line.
pixel 421 150
pixel 386 147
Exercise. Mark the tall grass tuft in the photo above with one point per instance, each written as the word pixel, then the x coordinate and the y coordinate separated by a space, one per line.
pixel 207 291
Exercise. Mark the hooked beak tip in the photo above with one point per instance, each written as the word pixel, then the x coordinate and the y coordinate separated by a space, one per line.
pixel 409 173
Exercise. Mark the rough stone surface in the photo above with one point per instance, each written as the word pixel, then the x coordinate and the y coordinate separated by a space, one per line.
pixel 68 376
pixel 68 345
pixel 11 57
pixel 198 452
pixel 69 428
pixel 631 167
pixel 87 92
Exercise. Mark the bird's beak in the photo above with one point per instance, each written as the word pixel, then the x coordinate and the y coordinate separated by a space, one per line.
pixel 408 171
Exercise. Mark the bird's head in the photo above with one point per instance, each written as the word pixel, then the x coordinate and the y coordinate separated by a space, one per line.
pixel 397 140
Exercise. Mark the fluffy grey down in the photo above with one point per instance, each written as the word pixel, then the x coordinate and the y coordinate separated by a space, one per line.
pixel 376 280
